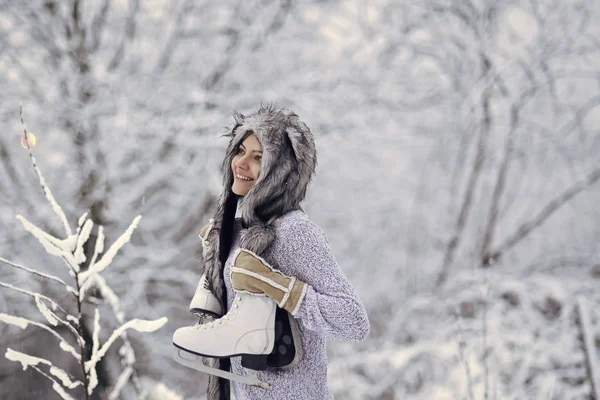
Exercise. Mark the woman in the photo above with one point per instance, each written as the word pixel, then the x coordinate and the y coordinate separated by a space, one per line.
pixel 273 256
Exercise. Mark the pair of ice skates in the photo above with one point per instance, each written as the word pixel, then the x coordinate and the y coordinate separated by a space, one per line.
pixel 254 328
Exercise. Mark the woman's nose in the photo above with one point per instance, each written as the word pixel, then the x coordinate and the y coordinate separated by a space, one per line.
pixel 241 163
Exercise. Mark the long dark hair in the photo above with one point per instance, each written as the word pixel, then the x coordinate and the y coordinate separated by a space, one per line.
pixel 225 243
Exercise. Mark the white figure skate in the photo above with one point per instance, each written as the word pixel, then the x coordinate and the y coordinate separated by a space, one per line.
pixel 286 350
pixel 247 330
pixel 204 302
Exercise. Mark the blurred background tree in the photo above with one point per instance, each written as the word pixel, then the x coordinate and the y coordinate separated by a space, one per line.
pixel 451 136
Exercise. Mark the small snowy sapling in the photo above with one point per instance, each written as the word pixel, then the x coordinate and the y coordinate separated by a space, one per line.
pixel 71 250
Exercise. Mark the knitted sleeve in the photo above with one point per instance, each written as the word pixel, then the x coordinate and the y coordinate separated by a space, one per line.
pixel 330 308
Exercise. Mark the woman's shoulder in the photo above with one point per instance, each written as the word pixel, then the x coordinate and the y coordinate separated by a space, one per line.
pixel 296 224
pixel 291 219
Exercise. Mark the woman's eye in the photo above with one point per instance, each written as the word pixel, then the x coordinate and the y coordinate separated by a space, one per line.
pixel 258 158
pixel 240 150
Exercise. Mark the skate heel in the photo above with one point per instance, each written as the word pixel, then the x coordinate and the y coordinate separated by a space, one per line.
pixel 256 362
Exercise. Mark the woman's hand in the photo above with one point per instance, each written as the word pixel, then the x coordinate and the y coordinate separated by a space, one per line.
pixel 251 274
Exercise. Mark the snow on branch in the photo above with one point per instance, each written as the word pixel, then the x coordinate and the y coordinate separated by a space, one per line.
pixel 99 248
pixel 29 361
pixel 592 366
pixel 23 323
pixel 54 304
pixel 38 273
pixel 49 315
pixel 139 325
pixel 95 341
pixel 55 385
pixel 126 351
pixel 57 209
pixel 72 250
pixel 112 251
pixel 82 238
pixel 52 245
pixel 136 324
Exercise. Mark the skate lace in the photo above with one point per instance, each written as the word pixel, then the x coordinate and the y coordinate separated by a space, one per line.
pixel 203 285
pixel 218 322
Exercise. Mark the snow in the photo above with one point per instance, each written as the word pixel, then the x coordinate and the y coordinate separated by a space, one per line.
pixel 122 380
pixel 12 320
pixel 112 251
pixel 589 346
pixel 39 273
pixel 23 323
pixel 34 295
pixel 95 342
pixel 64 378
pixel 29 361
pixel 49 315
pixel 99 248
pixel 52 245
pixel 61 392
pixel 71 251
pixel 135 324
pixel 82 238
pixel 162 392
pixel 49 196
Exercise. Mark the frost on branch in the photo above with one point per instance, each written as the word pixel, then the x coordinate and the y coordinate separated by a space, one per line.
pixel 71 249
pixel 27 361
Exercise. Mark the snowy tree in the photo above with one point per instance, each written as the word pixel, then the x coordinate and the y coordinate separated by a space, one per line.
pixel 70 249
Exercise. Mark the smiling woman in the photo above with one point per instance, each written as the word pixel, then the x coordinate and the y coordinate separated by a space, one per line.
pixel 246 165
pixel 270 278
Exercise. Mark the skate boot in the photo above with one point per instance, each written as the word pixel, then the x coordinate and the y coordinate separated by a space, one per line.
pixel 204 302
pixel 247 330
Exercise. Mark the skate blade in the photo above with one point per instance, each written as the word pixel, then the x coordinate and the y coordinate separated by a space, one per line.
pixel 197 362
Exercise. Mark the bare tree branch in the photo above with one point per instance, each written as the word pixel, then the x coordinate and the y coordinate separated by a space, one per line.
pixel 527 227
pixel 476 172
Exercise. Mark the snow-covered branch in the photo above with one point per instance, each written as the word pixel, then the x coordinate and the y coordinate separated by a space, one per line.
pixel 23 323
pixel 112 251
pixel 38 273
pixel 53 303
pixel 49 196
pixel 30 361
pixel 52 245
pixel 136 324
pixel 589 347
pixel 73 251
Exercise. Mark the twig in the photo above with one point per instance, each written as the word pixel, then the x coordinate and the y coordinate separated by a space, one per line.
pixel 57 209
pixel 54 304
pixel 22 323
pixel 461 345
pixel 589 348
pixel 55 385
pixel 38 273
pixel 27 292
pixel 484 333
pixel 527 227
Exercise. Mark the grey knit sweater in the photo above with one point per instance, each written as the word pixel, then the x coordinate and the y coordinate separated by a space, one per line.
pixel 330 311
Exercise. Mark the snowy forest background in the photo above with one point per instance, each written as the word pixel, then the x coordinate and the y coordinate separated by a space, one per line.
pixel 458 179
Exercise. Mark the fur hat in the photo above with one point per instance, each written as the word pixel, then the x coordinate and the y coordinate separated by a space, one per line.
pixel 288 163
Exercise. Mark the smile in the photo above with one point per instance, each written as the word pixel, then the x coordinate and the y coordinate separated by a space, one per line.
pixel 243 178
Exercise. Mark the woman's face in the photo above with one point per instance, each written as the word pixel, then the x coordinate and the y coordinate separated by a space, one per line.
pixel 246 165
